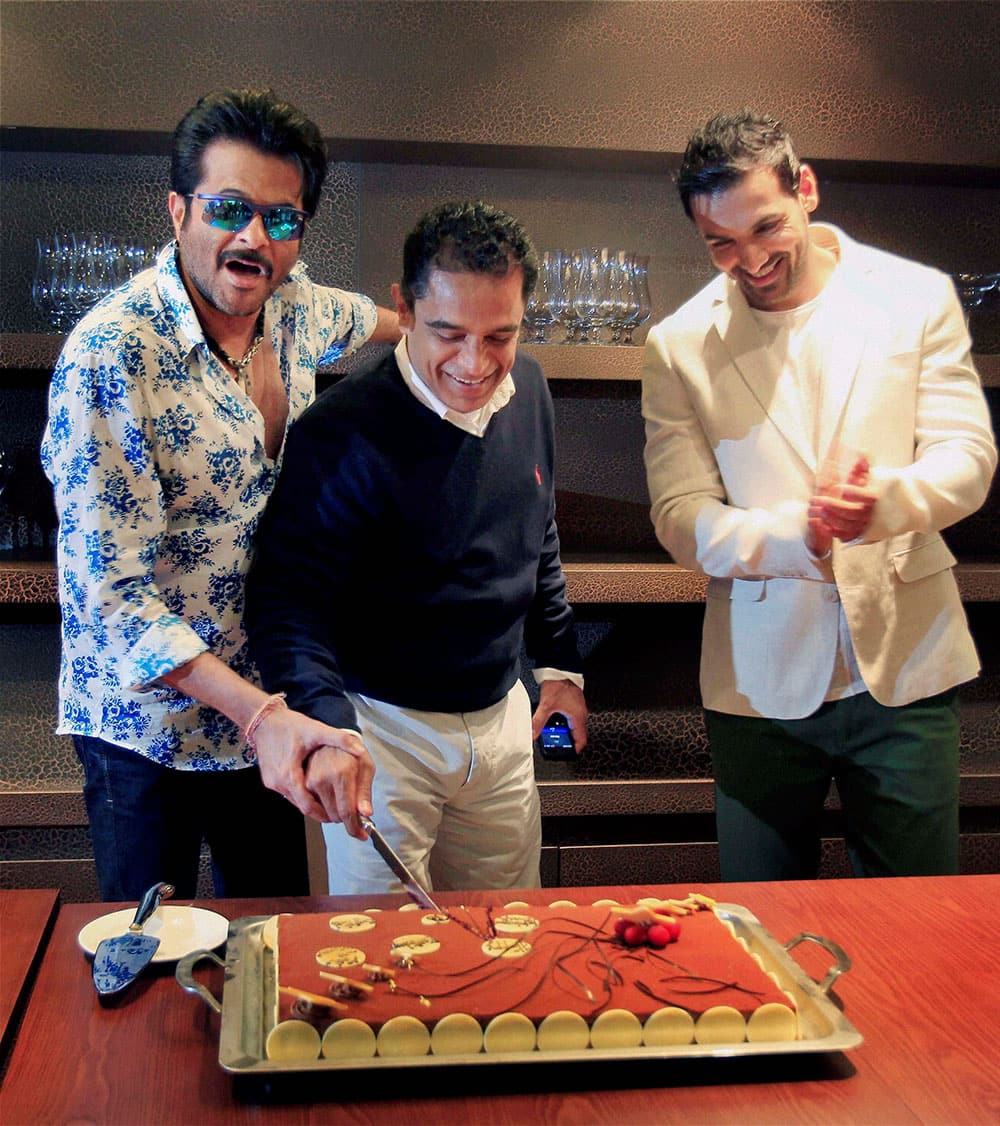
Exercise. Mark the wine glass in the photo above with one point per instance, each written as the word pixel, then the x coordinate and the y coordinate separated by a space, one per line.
pixel 547 299
pixel 640 306
pixel 584 299
pixel 621 298
pixel 975 289
pixel 6 467
pixel 41 284
pixel 65 261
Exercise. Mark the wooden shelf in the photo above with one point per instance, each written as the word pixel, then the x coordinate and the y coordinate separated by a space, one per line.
pixel 38 351
pixel 24 583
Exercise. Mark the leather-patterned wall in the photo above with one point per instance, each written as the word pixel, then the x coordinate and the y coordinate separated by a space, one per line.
pixel 911 81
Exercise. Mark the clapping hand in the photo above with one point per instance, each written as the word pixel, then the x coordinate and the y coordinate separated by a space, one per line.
pixel 841 509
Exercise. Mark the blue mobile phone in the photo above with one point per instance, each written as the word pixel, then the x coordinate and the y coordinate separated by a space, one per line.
pixel 556 741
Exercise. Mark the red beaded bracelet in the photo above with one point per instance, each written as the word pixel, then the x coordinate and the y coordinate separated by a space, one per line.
pixel 269 705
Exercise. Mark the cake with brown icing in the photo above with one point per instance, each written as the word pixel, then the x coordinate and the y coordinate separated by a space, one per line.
pixel 518 978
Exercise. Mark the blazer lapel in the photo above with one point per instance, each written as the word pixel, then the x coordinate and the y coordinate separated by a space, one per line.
pixel 846 322
pixel 741 338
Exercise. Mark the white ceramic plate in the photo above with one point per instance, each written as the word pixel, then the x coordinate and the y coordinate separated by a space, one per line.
pixel 180 930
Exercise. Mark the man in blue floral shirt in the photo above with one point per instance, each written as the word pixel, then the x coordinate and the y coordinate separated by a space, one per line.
pixel 168 411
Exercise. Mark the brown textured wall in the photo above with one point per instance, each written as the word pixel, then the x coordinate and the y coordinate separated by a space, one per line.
pixel 913 80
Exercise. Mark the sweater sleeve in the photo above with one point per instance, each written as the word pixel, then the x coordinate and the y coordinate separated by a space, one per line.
pixel 549 630
pixel 298 564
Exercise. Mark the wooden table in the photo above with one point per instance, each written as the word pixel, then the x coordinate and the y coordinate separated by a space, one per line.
pixel 924 991
pixel 26 918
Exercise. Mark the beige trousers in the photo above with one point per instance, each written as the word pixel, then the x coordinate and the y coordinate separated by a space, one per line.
pixel 454 795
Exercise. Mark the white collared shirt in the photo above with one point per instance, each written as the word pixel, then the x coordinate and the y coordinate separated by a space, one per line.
pixel 472 422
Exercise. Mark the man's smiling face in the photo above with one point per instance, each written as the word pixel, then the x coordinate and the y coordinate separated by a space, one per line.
pixel 758 234
pixel 235 272
pixel 461 336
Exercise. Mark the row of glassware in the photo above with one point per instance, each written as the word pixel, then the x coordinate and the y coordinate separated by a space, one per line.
pixel 74 271
pixel 595 295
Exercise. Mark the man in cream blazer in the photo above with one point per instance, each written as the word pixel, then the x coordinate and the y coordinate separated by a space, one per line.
pixel 813 421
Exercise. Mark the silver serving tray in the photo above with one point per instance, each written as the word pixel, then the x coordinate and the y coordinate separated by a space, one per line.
pixel 247 1009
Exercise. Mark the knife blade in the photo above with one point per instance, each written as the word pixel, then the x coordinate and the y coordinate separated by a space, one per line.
pixel 120 959
pixel 414 889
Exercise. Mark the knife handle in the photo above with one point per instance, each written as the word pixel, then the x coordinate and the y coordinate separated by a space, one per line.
pixel 149 903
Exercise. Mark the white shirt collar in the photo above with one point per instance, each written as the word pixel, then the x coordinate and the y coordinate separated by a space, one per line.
pixel 472 422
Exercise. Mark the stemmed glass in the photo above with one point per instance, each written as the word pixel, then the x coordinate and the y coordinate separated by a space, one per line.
pixel 73 272
pixel 640 307
pixel 53 284
pixel 974 289
pixel 586 278
pixel 547 300
pixel 6 467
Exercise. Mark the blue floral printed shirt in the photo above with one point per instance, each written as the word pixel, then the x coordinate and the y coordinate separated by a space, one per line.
pixel 160 474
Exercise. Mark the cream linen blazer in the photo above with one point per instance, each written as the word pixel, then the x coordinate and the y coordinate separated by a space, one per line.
pixel 730 467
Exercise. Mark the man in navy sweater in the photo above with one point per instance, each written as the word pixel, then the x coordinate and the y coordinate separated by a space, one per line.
pixel 409 548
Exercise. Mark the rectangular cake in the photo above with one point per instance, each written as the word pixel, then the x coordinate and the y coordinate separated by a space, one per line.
pixel 519 977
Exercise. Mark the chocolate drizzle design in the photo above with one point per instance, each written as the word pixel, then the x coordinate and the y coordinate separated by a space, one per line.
pixel 580 959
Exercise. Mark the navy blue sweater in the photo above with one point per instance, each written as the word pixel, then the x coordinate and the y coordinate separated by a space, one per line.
pixel 403 559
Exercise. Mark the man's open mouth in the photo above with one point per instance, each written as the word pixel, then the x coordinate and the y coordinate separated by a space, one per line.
pixel 247 267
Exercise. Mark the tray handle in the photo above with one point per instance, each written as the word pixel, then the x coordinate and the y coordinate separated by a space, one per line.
pixel 842 964
pixel 185 976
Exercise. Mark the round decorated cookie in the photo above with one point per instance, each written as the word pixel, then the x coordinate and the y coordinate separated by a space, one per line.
pixel 348 1039
pixel 340 957
pixel 720 1024
pixel 616 1028
pixel 504 947
pixel 563 1031
pixel 772 1021
pixel 408 945
pixel 346 924
pixel 668 1026
pixel 457 1034
pixel 509 1032
pixel 292 1040
pixel 269 932
pixel 515 924
pixel 403 1036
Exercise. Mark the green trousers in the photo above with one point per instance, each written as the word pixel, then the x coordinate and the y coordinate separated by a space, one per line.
pixel 896 771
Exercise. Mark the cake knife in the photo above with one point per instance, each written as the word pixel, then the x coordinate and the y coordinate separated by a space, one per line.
pixel 414 889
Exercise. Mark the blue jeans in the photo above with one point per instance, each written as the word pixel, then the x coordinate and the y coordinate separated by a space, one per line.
pixel 147 823
pixel 896 771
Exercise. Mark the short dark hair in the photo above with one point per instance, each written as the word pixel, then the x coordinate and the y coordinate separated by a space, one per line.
pixel 730 146
pixel 257 118
pixel 468 236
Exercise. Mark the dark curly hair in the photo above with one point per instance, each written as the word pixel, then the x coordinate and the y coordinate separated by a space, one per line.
pixel 468 236
pixel 728 147
pixel 258 118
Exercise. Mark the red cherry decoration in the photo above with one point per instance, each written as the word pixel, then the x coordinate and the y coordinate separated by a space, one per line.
pixel 675 929
pixel 658 935
pixel 635 935
pixel 621 926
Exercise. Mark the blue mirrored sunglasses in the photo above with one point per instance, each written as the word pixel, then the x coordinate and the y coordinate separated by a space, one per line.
pixel 229 214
